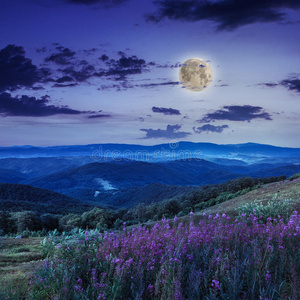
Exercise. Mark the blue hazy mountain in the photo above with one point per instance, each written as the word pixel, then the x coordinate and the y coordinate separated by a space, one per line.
pixel 121 173
pixel 11 176
pixel 248 152
pixel 41 166
pixel 86 182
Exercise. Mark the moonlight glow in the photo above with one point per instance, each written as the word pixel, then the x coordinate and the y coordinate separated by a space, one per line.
pixel 195 74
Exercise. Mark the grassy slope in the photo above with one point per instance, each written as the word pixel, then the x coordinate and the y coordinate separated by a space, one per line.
pixel 284 190
pixel 19 256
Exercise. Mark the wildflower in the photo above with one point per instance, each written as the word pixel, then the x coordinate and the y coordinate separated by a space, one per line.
pixel 94 274
pixel 191 213
pixel 46 263
pixel 215 284
pixel 150 288
pixel 268 277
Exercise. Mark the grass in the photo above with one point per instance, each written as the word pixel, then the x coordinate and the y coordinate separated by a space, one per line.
pixel 283 190
pixel 19 258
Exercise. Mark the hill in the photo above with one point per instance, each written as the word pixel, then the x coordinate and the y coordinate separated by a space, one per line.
pixel 41 166
pixel 18 197
pixel 278 190
pixel 106 178
pixel 132 196
pixel 12 176
pixel 103 177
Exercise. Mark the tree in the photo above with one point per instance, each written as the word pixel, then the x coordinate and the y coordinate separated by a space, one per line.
pixel 27 220
pixel 69 222
pixel 97 218
pixel 50 221
pixel 7 224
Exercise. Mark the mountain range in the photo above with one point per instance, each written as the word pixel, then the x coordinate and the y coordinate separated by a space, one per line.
pixel 107 174
pixel 248 152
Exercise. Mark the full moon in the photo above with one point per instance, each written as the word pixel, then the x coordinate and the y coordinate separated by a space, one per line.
pixel 195 74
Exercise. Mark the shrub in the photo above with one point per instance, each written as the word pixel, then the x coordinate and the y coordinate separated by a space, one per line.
pixel 273 209
pixel 295 176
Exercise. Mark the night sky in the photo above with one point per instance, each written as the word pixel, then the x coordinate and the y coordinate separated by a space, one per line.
pixel 106 71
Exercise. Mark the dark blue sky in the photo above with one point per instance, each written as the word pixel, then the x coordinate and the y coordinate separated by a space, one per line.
pixel 106 71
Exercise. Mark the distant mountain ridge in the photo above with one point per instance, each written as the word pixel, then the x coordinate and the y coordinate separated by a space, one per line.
pixel 248 152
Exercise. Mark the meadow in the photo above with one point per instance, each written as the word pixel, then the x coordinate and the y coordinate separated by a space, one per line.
pixel 218 257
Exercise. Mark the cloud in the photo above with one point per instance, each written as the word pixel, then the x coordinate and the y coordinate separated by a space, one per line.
pixel 221 85
pixel 269 84
pixel 105 3
pixel 63 57
pixel 99 116
pixel 140 119
pixel 210 128
pixel 41 50
pixel 64 79
pixel 78 73
pixel 68 68
pixel 292 83
pixel 228 14
pixel 151 85
pixel 81 70
pixel 58 85
pixel 172 132
pixel 122 84
pixel 16 70
pixel 123 66
pixel 31 107
pixel 237 113
pixel 166 111
pixel 71 69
